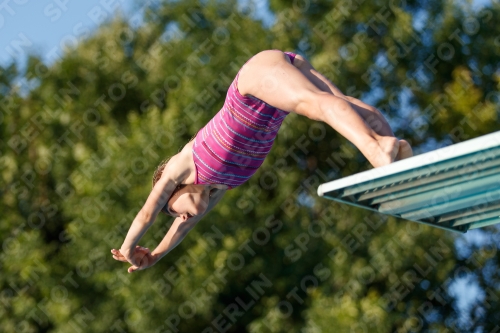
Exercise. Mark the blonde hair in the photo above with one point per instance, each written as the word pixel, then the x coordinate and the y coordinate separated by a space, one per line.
pixel 157 175
pixel 159 171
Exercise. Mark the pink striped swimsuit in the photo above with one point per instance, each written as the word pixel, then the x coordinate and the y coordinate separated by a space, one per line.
pixel 235 142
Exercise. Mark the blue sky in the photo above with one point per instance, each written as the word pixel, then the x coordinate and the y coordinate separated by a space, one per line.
pixel 46 26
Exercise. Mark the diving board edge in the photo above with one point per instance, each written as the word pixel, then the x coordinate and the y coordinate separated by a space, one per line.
pixel 460 229
pixel 456 150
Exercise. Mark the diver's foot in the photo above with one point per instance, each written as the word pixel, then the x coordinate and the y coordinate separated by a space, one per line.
pixel 383 151
pixel 405 150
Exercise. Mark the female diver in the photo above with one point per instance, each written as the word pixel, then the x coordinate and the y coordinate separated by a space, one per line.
pixel 232 146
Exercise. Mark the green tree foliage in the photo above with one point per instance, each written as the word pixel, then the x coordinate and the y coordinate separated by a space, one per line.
pixel 78 151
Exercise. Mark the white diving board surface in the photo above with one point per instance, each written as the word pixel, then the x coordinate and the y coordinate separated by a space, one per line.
pixel 454 188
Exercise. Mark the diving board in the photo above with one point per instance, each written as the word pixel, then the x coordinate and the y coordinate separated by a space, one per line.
pixel 454 188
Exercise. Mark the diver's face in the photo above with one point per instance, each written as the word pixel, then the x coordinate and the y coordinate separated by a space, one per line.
pixel 189 201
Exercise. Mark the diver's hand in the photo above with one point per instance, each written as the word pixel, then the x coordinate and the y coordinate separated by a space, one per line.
pixel 129 255
pixel 140 259
pixel 147 261
pixel 120 254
